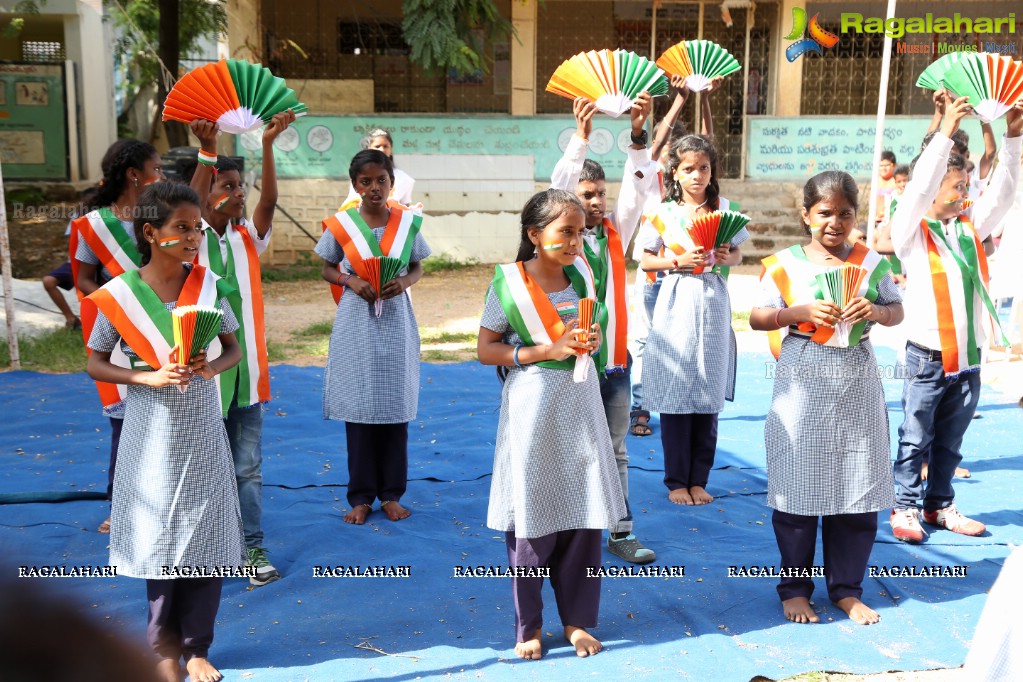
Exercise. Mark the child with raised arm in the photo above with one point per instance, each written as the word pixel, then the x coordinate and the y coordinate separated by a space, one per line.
pixel 827 430
pixel 605 240
pixel 946 302
pixel 383 345
pixel 175 508
pixel 231 248
pixel 555 486
pixel 689 363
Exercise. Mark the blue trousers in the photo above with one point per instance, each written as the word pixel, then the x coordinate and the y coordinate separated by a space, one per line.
pixel 245 433
pixel 614 392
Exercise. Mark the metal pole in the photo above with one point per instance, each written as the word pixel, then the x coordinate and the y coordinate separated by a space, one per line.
pixel 882 104
pixel 699 96
pixel 5 263
pixel 750 13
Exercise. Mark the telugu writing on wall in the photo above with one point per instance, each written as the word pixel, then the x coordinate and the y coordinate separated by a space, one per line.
pixel 323 146
pixel 798 148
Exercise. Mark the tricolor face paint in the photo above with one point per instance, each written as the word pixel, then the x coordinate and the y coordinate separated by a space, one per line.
pixel 553 246
pixel 221 202
pixel 167 242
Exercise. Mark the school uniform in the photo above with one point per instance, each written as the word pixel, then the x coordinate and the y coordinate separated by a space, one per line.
pixel 555 485
pixel 175 504
pixel 946 305
pixel 690 356
pixel 371 381
pixel 234 256
pixel 826 433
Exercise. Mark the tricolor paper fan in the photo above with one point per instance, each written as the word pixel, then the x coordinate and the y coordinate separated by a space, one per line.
pixel 933 76
pixel 715 229
pixel 379 271
pixel 994 83
pixel 611 80
pixel 194 326
pixel 699 61
pixel 840 286
pixel 238 95
pixel 587 316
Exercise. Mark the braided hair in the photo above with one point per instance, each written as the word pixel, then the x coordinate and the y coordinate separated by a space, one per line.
pixel 121 156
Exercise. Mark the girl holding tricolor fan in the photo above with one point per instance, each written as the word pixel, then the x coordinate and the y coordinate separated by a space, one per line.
pixel 555 485
pixel 102 247
pixel 827 430
pixel 175 502
pixel 379 248
pixel 689 359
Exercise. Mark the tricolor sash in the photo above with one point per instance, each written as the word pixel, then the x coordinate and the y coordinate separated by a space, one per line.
pixel 607 262
pixel 241 271
pixel 116 250
pixel 528 309
pixel 358 242
pixel 958 282
pixel 795 278
pixel 142 319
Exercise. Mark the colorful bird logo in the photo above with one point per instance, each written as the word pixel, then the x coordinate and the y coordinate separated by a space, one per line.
pixel 819 38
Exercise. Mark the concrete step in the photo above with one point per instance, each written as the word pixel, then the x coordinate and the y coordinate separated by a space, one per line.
pixel 766 229
pixel 772 215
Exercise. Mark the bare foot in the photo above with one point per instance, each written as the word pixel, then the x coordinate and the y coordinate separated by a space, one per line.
pixel 700 495
pixel 358 514
pixel 104 527
pixel 798 610
pixel 531 650
pixel 923 472
pixel 680 496
pixel 858 611
pixel 169 670
pixel 394 511
pixel 584 643
pixel 201 670
pixel 962 472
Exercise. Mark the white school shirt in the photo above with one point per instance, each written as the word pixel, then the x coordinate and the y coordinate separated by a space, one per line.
pixel 919 304
pixel 260 244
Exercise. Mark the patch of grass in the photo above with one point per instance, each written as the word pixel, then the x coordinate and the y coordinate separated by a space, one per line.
pixel 317 329
pixel 297 272
pixel 58 351
pixel 446 263
pixel 447 356
pixel 447 337
pixel 276 351
pixel 740 320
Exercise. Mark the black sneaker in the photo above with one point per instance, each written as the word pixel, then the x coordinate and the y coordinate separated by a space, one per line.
pixel 630 549
pixel 265 572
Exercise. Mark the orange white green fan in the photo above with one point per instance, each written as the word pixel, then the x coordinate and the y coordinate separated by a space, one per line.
pixel 699 62
pixel 994 83
pixel 587 316
pixel 610 79
pixel 238 95
pixel 933 76
pixel 379 271
pixel 840 286
pixel 712 230
pixel 194 326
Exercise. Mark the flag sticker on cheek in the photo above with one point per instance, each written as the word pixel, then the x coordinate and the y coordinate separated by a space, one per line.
pixel 221 202
pixel 553 246
pixel 166 242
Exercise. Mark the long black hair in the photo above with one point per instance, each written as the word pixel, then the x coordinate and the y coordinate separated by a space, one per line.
pixel 121 156
pixel 693 144
pixel 828 184
pixel 157 202
pixel 542 209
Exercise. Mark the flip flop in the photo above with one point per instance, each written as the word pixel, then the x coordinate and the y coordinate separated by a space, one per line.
pixel 639 423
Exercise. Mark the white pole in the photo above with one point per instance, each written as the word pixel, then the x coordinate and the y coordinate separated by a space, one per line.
pixel 5 263
pixel 745 92
pixel 882 104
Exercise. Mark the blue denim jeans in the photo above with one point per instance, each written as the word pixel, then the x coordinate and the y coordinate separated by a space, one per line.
pixel 650 292
pixel 245 433
pixel 614 393
pixel 938 410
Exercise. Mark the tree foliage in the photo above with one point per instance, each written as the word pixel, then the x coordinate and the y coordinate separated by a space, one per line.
pixel 13 27
pixel 445 34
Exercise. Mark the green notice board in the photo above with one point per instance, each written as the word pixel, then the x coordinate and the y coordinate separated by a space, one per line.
pixel 33 125
pixel 798 148
pixel 322 146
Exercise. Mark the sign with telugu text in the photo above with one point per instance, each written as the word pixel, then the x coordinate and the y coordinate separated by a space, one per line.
pixel 323 146
pixel 798 148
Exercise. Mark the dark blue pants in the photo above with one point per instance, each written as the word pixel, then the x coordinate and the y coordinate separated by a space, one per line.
pixel 377 462
pixel 689 442
pixel 115 442
pixel 182 613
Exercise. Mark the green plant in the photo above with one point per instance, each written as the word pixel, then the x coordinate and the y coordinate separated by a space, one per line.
pixel 446 263
pixel 432 337
pixel 447 35
pixel 317 329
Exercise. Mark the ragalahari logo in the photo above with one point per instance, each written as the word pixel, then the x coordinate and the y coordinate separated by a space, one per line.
pixel 819 38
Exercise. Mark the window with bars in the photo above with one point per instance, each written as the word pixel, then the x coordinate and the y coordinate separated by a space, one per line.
pixel 42 51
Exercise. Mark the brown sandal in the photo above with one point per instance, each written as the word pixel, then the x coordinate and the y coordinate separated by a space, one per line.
pixel 639 423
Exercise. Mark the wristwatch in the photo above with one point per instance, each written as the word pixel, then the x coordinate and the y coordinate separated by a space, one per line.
pixel 640 139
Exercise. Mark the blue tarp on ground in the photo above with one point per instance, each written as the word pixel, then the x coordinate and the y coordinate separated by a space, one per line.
pixel 704 626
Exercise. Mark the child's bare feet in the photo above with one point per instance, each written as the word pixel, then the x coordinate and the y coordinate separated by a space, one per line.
pixel 201 670
pixel 923 472
pixel 169 670
pixel 104 527
pixel 700 495
pixel 358 514
pixel 858 611
pixel 680 496
pixel 962 472
pixel 394 511
pixel 531 650
pixel 798 610
pixel 584 643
